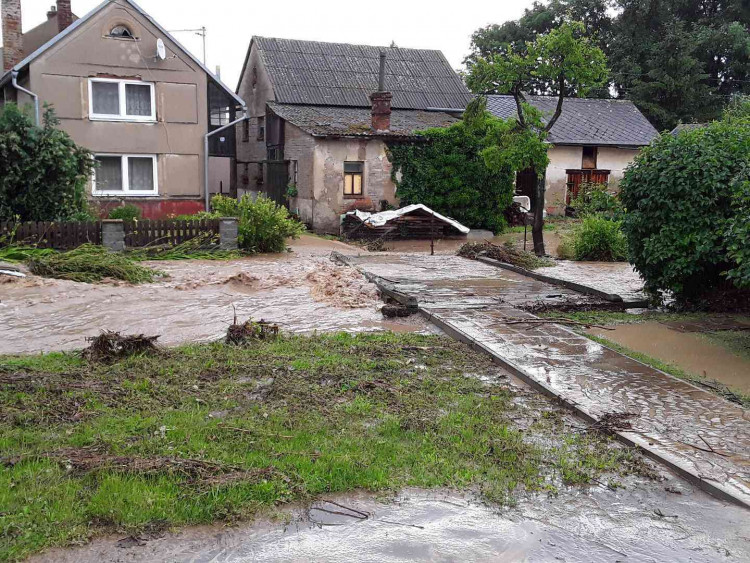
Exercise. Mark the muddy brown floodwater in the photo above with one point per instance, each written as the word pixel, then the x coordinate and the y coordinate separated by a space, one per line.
pixel 302 291
pixel 689 351
pixel 654 521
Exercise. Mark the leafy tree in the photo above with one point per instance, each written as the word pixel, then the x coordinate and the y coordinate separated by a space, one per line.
pixel 687 207
pixel 567 60
pixel 678 60
pixel 447 173
pixel 43 173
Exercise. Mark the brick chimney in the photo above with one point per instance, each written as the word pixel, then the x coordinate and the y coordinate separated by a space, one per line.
pixel 64 15
pixel 12 36
pixel 52 12
pixel 381 102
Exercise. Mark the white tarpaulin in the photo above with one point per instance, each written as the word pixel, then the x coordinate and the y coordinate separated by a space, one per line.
pixel 380 219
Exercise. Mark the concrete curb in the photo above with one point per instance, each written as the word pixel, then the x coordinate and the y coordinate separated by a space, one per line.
pixel 628 438
pixel 580 288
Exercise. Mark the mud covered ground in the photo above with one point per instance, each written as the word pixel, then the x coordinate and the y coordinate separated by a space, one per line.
pixel 302 291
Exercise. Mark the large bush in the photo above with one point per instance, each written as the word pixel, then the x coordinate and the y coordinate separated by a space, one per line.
pixel 684 220
pixel 264 226
pixel 447 172
pixel 43 173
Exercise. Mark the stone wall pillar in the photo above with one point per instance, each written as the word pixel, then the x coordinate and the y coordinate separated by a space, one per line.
pixel 228 233
pixel 113 234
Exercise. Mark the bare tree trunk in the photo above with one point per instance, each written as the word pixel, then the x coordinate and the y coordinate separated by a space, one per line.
pixel 537 230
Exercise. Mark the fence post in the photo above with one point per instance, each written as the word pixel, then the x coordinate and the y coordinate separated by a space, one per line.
pixel 228 231
pixel 113 234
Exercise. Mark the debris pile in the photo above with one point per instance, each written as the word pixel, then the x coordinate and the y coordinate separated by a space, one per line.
pixel 341 287
pixel 110 346
pixel 410 222
pixel 239 334
pixel 507 253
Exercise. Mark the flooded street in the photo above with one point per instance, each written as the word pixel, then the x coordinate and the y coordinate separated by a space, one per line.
pixel 646 521
pixel 302 291
pixel 691 352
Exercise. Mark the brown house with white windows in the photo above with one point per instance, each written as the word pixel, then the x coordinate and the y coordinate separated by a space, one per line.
pixel 320 118
pixel 124 88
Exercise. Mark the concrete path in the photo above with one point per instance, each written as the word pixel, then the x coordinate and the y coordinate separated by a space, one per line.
pixel 700 435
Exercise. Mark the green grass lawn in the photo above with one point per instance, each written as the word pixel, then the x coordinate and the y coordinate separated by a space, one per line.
pixel 218 433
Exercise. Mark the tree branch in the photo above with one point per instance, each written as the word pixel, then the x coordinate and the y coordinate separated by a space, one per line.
pixel 519 98
pixel 558 109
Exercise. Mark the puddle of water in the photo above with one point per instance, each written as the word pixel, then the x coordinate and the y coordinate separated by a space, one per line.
pixel 417 525
pixel 689 351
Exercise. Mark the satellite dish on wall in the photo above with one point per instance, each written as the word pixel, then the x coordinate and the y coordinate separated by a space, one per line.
pixel 161 50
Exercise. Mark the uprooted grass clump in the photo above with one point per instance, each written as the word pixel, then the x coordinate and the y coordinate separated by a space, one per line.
pixel 110 346
pixel 205 246
pixel 507 253
pixel 90 263
pixel 218 433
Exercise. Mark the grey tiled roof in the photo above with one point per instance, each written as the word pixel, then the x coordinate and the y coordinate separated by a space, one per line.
pixel 586 121
pixel 331 121
pixel 340 74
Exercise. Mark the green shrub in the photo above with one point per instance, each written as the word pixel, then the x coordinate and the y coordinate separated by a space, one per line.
pixel 448 173
pixel 683 206
pixel 264 226
pixel 196 216
pixel 43 173
pixel 738 234
pixel 127 212
pixel 594 199
pixel 596 239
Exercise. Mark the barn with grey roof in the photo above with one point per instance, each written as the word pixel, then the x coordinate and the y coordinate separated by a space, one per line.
pixel 320 117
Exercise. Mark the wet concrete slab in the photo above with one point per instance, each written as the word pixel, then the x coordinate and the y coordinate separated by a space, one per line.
pixel 610 277
pixel 699 434
pixel 643 522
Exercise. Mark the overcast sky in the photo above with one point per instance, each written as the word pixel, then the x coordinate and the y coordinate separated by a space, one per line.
pixel 231 23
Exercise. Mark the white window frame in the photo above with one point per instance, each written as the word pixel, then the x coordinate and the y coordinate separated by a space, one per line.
pixel 122 116
pixel 126 191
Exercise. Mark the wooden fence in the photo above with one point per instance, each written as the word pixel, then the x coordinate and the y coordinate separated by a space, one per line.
pixel 166 231
pixel 44 234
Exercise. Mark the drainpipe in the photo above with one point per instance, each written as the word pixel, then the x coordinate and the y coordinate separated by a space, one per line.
pixel 205 151
pixel 17 86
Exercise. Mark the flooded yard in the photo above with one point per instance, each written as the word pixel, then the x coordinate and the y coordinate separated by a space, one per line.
pixel 302 291
pixel 693 352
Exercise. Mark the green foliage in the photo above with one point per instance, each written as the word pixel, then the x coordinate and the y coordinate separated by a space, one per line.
pixel 197 216
pixel 90 263
pixel 264 226
pixel 43 173
pixel 128 212
pixel 14 253
pixel 738 233
pixel 448 174
pixel 678 61
pixel 291 191
pixel 595 199
pixel 686 220
pixel 738 108
pixel 565 58
pixel 596 239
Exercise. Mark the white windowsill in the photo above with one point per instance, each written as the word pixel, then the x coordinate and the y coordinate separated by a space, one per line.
pixel 122 119
pixel 124 194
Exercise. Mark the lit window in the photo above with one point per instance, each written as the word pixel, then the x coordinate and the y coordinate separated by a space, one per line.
pixel 121 100
pixel 122 32
pixel 353 178
pixel 124 175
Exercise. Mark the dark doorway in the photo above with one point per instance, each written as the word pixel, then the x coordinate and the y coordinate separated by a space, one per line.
pixel 526 185
pixel 277 180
